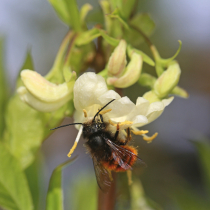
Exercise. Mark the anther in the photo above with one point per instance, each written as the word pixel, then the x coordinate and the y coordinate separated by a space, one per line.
pixel 149 139
pixel 85 113
pixel 72 149
pixel 105 111
pixel 139 132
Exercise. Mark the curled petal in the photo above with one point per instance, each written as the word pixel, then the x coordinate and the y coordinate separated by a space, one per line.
pixel 131 74
pixel 44 90
pixel 39 105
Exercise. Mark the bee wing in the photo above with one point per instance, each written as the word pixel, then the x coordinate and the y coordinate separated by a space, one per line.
pixel 120 155
pixel 102 175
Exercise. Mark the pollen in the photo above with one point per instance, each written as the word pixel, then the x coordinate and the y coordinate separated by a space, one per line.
pixel 72 149
pixel 140 132
pixel 120 124
pixel 85 113
pixel 150 138
pixel 105 111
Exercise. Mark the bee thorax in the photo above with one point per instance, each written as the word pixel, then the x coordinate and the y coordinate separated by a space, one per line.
pixel 96 142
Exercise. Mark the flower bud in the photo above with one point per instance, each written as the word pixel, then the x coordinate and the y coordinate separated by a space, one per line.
pixel 42 94
pixel 167 81
pixel 117 60
pixel 131 75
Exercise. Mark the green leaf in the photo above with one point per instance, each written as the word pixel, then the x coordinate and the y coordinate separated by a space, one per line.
pixel 88 36
pixel 116 15
pixel 3 91
pixel 84 11
pixel 14 191
pixel 203 148
pixel 85 199
pixel 112 41
pixel 187 198
pixel 55 193
pixel 141 22
pixel 178 91
pixel 95 17
pixel 125 7
pixel 32 175
pixel 145 57
pixel 61 9
pixel 147 80
pixel 138 199
pixel 68 12
pixel 26 128
pixel 74 15
pixel 28 64
pixel 166 62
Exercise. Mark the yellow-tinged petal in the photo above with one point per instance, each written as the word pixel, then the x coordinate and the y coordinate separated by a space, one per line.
pixel 39 105
pixel 44 90
pixel 167 81
pixel 131 74
pixel 117 60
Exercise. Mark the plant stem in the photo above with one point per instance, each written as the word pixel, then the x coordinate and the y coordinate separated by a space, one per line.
pixel 106 201
pixel 148 41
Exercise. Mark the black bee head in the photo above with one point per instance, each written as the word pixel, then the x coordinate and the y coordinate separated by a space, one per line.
pixel 92 128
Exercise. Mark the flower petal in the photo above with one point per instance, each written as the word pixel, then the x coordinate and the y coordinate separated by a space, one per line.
pixel 140 120
pixel 156 109
pixel 88 87
pixel 121 108
pixel 142 106
pixel 39 105
pixel 43 89
pixel 108 96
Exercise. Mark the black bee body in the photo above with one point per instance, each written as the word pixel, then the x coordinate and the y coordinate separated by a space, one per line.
pixel 96 133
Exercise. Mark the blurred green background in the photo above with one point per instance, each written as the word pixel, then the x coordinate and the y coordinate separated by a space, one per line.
pixel 174 176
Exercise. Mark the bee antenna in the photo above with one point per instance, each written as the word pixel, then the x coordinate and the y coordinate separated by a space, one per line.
pixel 66 125
pixel 102 109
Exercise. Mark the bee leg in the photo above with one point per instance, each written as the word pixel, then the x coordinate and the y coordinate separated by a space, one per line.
pixel 128 138
pixel 117 132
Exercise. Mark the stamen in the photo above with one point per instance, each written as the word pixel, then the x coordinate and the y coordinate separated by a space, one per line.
pixel 129 175
pixel 112 123
pixel 76 142
pixel 149 138
pixel 122 123
pixel 85 113
pixel 139 132
pixel 126 123
pixel 105 111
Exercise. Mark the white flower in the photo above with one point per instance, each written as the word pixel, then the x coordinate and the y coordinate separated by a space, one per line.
pixel 91 93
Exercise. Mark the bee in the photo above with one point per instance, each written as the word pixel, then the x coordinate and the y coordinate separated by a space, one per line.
pixel 108 147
